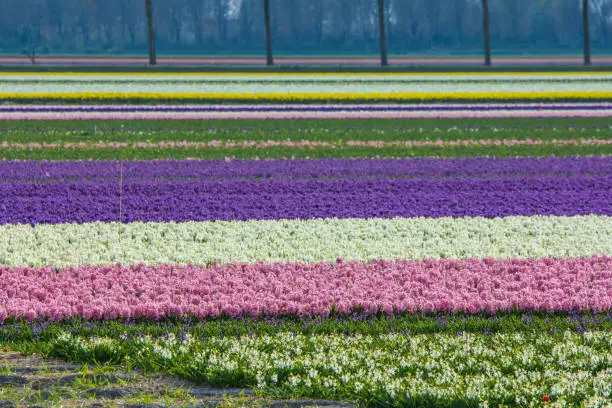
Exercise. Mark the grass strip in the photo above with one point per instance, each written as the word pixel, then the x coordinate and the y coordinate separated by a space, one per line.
pixel 31 335
pixel 59 154
pixel 296 124
pixel 321 130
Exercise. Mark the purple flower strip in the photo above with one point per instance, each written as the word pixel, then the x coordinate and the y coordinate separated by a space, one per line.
pixel 306 169
pixel 86 201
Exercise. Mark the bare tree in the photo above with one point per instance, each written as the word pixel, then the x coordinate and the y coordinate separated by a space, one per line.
pixel 152 52
pixel 585 29
pixel 269 57
pixel 487 33
pixel 383 35
pixel 33 36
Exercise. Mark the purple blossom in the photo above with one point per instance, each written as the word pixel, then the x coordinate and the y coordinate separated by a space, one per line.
pixel 303 199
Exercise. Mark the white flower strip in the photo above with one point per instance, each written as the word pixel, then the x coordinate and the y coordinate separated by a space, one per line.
pixel 540 113
pixel 289 77
pixel 304 241
pixel 400 370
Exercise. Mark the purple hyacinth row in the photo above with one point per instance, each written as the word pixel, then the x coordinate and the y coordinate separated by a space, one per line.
pixel 307 169
pixel 86 201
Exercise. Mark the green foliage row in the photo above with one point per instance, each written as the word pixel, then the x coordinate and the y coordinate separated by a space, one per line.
pixel 486 127
pixel 300 153
pixel 395 369
pixel 35 333
pixel 336 132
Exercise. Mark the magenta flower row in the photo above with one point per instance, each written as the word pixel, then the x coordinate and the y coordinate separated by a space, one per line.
pixel 473 285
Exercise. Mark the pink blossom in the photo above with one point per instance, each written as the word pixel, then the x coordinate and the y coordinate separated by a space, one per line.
pixel 308 289
pixel 306 143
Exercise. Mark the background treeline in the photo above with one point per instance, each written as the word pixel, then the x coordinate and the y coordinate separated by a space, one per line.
pixel 321 27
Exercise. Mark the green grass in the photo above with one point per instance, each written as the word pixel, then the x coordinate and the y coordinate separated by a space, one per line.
pixel 336 132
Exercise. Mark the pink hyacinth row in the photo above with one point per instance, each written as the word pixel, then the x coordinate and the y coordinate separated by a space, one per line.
pixel 302 143
pixel 365 114
pixel 307 289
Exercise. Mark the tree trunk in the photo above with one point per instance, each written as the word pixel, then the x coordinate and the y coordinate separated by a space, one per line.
pixel 487 33
pixel 383 38
pixel 585 28
pixel 319 24
pixel 222 23
pixel 152 53
pixel 197 22
pixel 269 57
pixel 246 24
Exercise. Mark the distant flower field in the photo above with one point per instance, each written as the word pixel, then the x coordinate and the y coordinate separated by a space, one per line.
pixel 325 244
pixel 270 88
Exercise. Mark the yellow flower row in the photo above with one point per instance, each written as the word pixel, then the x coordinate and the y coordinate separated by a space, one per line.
pixel 311 96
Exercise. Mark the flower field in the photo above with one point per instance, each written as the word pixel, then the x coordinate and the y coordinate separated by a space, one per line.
pixel 207 88
pixel 316 244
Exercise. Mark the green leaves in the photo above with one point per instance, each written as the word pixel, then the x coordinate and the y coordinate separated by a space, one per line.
pixel 391 369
